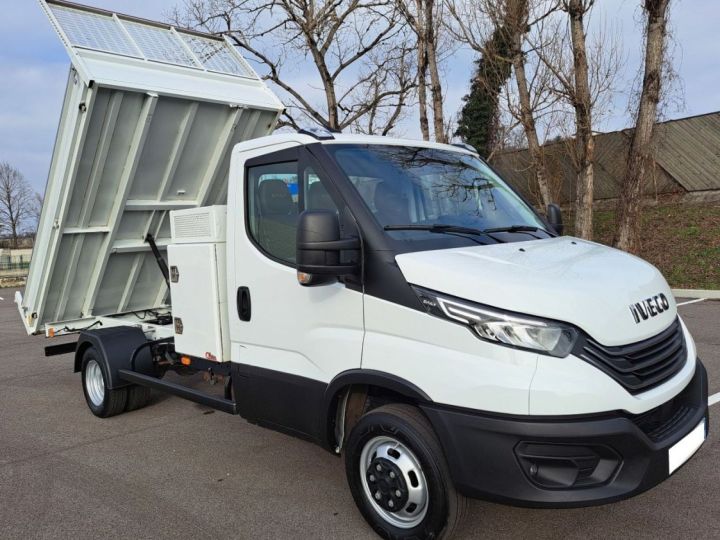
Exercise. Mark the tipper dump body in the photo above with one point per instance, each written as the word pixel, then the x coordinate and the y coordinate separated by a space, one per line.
pixel 148 123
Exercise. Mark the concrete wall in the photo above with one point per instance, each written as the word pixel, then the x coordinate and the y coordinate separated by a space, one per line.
pixel 15 256
pixel 14 263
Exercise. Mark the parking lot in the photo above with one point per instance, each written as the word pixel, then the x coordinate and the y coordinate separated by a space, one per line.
pixel 178 470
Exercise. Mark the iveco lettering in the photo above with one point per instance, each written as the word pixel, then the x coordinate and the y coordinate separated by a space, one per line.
pixel 393 301
pixel 650 307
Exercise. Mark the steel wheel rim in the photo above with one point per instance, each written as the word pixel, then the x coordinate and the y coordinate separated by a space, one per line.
pixel 389 448
pixel 94 383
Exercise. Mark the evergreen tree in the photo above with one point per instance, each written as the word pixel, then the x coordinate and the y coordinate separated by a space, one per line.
pixel 478 123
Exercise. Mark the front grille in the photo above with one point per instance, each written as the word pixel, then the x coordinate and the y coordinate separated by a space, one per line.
pixel 658 428
pixel 667 419
pixel 642 365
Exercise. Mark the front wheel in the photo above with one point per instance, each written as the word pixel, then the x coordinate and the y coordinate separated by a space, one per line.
pixel 398 476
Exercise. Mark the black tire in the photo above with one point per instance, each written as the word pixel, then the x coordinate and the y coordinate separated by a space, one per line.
pixel 406 424
pixel 138 397
pixel 113 401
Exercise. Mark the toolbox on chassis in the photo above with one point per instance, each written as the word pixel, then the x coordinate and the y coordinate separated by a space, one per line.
pixel 391 300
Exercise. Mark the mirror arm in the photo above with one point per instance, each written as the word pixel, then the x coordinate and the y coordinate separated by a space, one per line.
pixel 332 245
pixel 337 270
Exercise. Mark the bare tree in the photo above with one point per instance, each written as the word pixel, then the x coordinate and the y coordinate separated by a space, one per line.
pixel 582 103
pixel 396 81
pixel 584 73
pixel 474 24
pixel 639 159
pixel 340 36
pixel 431 39
pixel 518 18
pixel 16 199
pixel 416 20
pixel 424 17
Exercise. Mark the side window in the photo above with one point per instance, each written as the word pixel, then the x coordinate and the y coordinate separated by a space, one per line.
pixel 277 194
pixel 272 206
pixel 316 195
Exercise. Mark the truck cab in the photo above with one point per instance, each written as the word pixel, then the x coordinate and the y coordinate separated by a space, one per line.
pixel 366 271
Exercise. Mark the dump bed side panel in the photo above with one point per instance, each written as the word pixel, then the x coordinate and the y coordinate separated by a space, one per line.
pixel 128 151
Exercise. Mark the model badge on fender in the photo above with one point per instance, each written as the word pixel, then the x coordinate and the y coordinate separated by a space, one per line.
pixel 649 307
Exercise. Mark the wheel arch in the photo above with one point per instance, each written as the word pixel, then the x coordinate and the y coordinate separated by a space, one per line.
pixel 364 389
pixel 115 347
pixel 80 349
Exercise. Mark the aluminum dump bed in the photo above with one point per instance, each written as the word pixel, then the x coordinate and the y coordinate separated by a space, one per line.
pixel 150 116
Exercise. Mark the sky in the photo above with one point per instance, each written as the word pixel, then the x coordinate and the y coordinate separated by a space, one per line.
pixel 34 67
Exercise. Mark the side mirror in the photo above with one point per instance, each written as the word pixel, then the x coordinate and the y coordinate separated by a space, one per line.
pixel 319 246
pixel 554 216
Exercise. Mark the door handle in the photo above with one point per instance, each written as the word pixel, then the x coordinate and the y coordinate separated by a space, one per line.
pixel 243 303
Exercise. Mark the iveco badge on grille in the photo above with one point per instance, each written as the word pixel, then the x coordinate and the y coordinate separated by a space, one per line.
pixel 650 307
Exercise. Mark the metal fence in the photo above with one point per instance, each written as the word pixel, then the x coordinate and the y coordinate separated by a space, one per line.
pixel 14 270
pixel 11 267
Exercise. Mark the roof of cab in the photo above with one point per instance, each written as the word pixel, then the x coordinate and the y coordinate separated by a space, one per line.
pixel 342 138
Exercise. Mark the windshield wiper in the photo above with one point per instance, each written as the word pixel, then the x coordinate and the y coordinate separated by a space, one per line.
pixel 441 228
pixel 518 228
pixel 515 228
pixel 457 229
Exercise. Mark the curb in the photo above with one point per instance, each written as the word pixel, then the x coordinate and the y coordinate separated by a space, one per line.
pixel 696 293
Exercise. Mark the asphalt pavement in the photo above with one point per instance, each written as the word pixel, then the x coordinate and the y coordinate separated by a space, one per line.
pixel 178 470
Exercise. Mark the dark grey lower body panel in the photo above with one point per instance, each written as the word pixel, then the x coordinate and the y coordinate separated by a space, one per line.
pixel 565 461
pixel 179 390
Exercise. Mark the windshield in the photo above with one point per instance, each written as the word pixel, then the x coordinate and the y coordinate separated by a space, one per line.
pixel 427 186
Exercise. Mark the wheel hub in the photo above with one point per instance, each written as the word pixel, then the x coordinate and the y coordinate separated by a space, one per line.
pixel 95 383
pixel 393 481
pixel 387 485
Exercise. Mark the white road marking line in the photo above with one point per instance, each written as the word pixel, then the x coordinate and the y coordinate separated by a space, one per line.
pixel 1 299
pixel 691 301
pixel 715 398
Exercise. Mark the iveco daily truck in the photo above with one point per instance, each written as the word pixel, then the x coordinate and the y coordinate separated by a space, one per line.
pixel 393 301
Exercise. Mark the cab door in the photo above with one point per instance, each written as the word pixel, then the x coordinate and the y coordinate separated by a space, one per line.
pixel 288 340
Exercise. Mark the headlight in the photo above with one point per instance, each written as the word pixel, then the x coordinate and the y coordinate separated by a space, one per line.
pixel 503 328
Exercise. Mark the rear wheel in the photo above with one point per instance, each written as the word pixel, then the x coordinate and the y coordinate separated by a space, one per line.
pixel 138 397
pixel 101 400
pixel 398 476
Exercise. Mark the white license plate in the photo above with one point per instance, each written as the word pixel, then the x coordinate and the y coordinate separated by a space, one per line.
pixel 682 450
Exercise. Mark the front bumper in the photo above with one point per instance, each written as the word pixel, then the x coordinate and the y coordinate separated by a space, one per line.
pixel 566 461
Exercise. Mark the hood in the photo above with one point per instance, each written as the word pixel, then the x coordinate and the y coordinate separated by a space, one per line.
pixel 607 293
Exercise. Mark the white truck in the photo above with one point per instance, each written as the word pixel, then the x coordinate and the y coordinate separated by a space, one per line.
pixel 393 301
